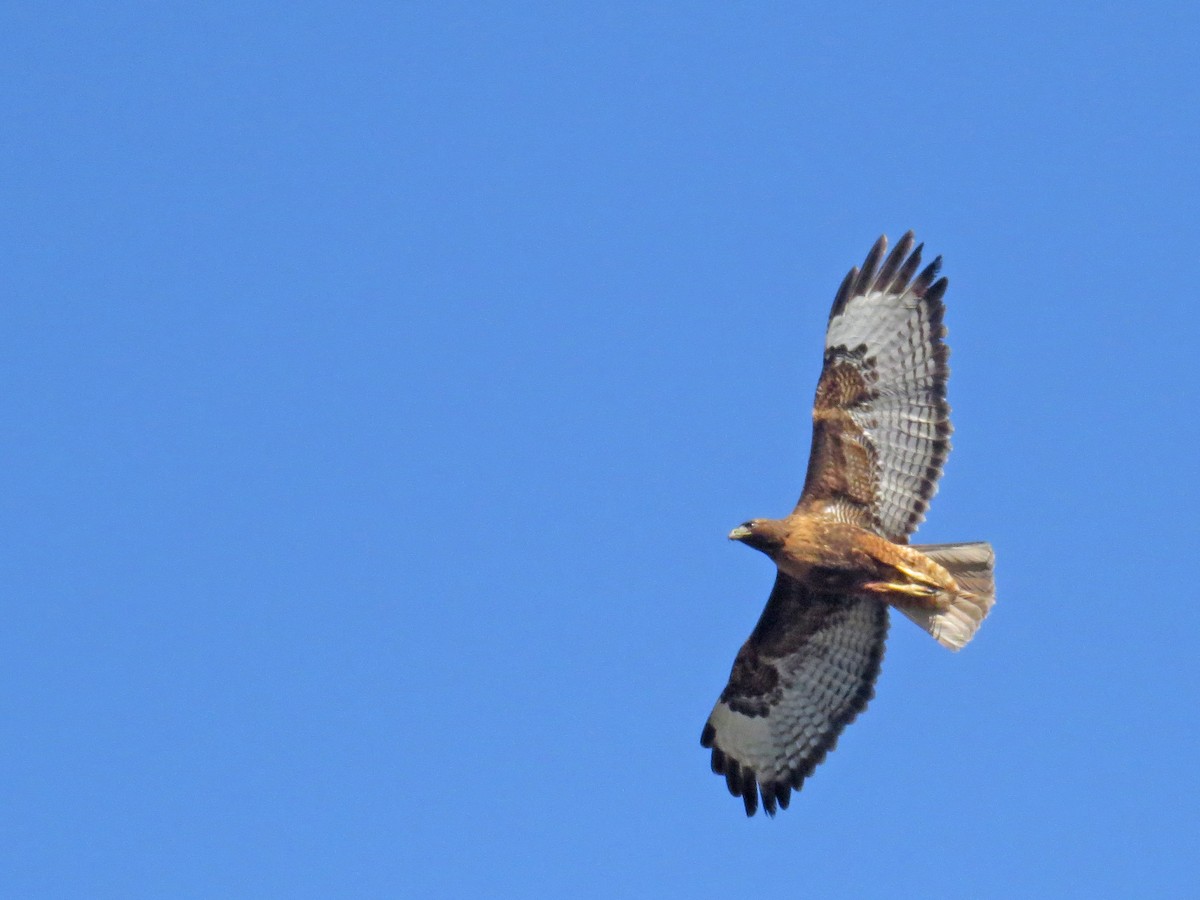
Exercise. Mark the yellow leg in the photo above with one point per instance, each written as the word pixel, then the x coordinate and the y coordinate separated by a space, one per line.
pixel 919 577
pixel 891 587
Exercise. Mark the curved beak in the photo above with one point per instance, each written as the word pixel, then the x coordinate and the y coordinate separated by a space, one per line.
pixel 740 533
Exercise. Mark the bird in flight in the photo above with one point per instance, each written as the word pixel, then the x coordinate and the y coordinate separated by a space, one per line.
pixel 881 434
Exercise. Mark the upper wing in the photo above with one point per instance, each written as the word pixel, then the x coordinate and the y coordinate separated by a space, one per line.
pixel 881 424
pixel 807 670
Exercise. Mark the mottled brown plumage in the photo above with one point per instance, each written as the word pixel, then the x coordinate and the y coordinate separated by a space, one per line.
pixel 881 429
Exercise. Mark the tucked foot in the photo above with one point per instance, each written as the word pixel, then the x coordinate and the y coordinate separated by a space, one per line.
pixel 909 590
pixel 921 578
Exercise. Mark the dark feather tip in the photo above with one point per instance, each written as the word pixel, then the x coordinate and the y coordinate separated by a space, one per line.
pixel 750 792
pixel 733 778
pixel 904 276
pixel 843 294
pixel 718 762
pixel 892 264
pixel 925 279
pixel 862 284
pixel 783 790
pixel 768 799
pixel 936 291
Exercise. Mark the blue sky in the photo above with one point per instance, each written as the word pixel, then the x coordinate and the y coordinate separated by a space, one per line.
pixel 382 382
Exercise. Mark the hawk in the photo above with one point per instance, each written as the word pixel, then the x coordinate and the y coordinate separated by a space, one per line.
pixel 881 433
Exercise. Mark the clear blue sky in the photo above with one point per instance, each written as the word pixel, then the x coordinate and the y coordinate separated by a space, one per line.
pixel 381 381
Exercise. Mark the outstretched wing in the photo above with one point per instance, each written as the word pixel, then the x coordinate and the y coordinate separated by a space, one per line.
pixel 881 424
pixel 807 670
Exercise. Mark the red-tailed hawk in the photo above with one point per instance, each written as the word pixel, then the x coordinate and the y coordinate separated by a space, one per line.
pixel 881 433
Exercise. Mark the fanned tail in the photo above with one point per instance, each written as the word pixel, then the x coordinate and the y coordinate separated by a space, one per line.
pixel 972 567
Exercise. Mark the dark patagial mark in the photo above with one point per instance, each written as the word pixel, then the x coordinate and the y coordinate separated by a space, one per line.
pixel 753 686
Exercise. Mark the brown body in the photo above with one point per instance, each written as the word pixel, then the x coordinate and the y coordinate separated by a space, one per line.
pixel 828 555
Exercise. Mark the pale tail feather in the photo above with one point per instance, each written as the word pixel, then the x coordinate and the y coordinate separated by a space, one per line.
pixel 972 567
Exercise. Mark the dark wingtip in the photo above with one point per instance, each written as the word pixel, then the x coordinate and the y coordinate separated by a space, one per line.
pixel 892 264
pixel 937 290
pixel 904 276
pixel 768 799
pixel 798 775
pixel 707 735
pixel 783 790
pixel 925 279
pixel 862 284
pixel 718 762
pixel 750 792
pixel 843 294
pixel 733 778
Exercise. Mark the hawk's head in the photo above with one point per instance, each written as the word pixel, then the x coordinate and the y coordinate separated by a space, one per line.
pixel 766 535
